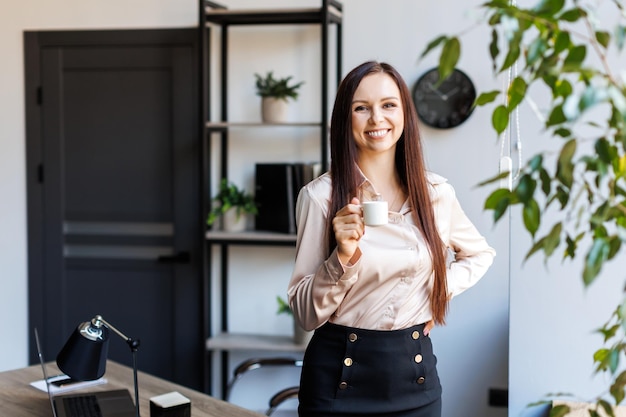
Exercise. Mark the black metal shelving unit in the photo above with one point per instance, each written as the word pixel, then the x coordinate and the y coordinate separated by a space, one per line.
pixel 214 17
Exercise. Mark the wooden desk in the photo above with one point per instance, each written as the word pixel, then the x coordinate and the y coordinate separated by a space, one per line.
pixel 19 399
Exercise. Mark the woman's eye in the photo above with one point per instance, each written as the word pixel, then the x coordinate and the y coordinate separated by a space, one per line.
pixel 390 105
pixel 360 108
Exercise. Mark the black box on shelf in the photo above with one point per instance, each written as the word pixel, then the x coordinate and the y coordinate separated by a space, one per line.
pixel 172 404
pixel 276 191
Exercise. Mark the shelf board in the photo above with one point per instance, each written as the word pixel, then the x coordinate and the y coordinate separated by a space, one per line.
pixel 270 16
pixel 225 125
pixel 248 342
pixel 251 238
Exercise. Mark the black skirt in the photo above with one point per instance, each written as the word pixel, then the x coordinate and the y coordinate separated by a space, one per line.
pixel 349 371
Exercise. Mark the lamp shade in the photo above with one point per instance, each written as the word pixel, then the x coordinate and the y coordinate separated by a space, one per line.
pixel 84 355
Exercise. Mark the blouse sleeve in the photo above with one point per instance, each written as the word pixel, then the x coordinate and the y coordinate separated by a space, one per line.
pixel 472 255
pixel 319 282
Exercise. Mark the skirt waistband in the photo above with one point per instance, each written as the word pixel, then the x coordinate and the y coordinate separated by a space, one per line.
pixel 339 330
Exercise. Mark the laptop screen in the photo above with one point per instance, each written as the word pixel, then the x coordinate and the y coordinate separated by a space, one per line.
pixel 45 372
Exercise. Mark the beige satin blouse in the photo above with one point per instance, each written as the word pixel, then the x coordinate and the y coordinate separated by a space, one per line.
pixel 388 287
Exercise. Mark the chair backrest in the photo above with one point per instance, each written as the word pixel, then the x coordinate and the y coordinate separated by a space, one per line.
pixel 278 398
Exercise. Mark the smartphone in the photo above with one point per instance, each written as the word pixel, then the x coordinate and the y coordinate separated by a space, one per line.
pixel 63 381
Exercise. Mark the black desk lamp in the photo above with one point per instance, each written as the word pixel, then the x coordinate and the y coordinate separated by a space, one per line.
pixel 84 355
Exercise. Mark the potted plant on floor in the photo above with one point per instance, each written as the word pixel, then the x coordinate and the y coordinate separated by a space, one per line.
pixel 232 204
pixel 584 187
pixel 275 94
pixel 300 336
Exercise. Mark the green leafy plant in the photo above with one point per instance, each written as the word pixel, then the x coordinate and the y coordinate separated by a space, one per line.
pixel 230 196
pixel 268 86
pixel 585 185
pixel 283 306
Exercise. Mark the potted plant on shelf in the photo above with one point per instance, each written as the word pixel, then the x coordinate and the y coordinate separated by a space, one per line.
pixel 300 336
pixel 232 204
pixel 275 94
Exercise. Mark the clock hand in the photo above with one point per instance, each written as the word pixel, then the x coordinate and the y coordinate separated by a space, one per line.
pixel 451 92
pixel 439 93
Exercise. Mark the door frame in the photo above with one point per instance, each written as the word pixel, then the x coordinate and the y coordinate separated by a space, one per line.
pixel 34 43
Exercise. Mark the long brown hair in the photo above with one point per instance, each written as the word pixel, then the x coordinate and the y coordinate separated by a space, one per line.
pixel 409 164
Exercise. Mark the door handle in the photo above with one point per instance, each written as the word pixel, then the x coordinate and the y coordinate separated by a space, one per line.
pixel 178 258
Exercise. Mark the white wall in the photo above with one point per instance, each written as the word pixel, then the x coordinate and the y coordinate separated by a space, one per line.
pixel 551 321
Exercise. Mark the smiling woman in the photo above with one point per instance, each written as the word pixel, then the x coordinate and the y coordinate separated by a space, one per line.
pixel 373 293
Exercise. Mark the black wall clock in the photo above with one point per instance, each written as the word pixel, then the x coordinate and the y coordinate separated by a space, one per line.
pixel 446 105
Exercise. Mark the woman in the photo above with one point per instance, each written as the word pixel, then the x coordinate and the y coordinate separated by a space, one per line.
pixel 374 293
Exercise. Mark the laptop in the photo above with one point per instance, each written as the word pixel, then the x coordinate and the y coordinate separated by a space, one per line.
pixel 113 403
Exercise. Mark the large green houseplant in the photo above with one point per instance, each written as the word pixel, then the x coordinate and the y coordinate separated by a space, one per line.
pixel 584 188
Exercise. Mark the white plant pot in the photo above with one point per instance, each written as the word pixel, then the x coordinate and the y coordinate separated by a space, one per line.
pixel 230 222
pixel 274 110
pixel 300 336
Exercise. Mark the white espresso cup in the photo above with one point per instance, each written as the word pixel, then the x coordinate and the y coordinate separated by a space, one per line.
pixel 375 213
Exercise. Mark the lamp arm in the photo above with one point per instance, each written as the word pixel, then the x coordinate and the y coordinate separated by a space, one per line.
pixel 132 343
pixel 98 321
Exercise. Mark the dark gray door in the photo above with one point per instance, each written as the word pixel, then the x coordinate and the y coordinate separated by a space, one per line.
pixel 113 192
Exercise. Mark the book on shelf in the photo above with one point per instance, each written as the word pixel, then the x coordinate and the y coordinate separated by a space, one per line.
pixel 276 192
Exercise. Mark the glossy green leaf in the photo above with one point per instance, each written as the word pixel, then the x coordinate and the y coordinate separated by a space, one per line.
pixel 536 162
pixel 548 243
pixel 575 58
pixel 549 7
pixel 450 54
pixel 494 50
pixel 532 216
pixel 571 245
pixel 433 44
pixel 603 38
pixel 556 116
pixel 572 15
pixel 592 96
pixel 601 356
pixel 500 209
pixel 562 42
pixel 560 410
pixel 525 188
pixel 486 98
pixel 605 151
pixel 493 179
pixel 617 388
pixel 565 166
pixel 620 36
pixel 497 4
pixel 495 197
pixel 500 118
pixel 517 92
pixel 553 239
pixel 562 88
pixel 546 181
pixel 538 245
pixel 596 257
pixel 622 313
pixel 562 196
pixel 608 409
pixel 536 49
pixel 563 132
pixel 499 202
pixel 615 244
pixel 512 55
